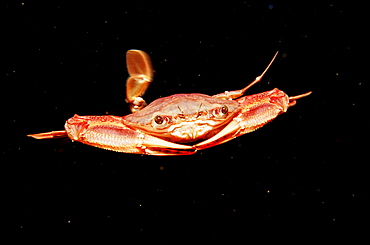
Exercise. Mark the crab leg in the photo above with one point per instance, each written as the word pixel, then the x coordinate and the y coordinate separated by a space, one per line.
pixel 258 109
pixel 237 93
pixel 108 132
pixel 140 69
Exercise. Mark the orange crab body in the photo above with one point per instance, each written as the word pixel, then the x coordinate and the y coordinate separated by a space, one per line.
pixel 180 124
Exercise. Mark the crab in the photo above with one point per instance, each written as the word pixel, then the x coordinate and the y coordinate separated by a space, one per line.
pixel 180 124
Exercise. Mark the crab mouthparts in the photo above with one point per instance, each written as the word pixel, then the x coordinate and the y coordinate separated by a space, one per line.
pixel 190 131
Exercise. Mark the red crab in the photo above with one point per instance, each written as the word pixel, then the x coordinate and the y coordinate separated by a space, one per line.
pixel 168 125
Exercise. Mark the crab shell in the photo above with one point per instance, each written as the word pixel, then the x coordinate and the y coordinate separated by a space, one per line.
pixel 184 118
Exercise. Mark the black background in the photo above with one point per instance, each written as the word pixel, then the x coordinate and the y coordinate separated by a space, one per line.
pixel 304 172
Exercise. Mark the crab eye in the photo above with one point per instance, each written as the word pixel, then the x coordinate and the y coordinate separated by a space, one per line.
pixel 160 122
pixel 224 110
pixel 158 119
pixel 221 112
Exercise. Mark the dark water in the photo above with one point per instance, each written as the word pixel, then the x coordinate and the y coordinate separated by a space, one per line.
pixel 305 169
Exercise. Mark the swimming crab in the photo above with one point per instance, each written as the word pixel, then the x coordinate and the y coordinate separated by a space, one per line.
pixel 180 124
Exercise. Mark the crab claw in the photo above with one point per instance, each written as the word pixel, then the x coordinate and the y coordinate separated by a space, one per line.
pixel 258 110
pixel 292 99
pixel 109 132
pixel 49 135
